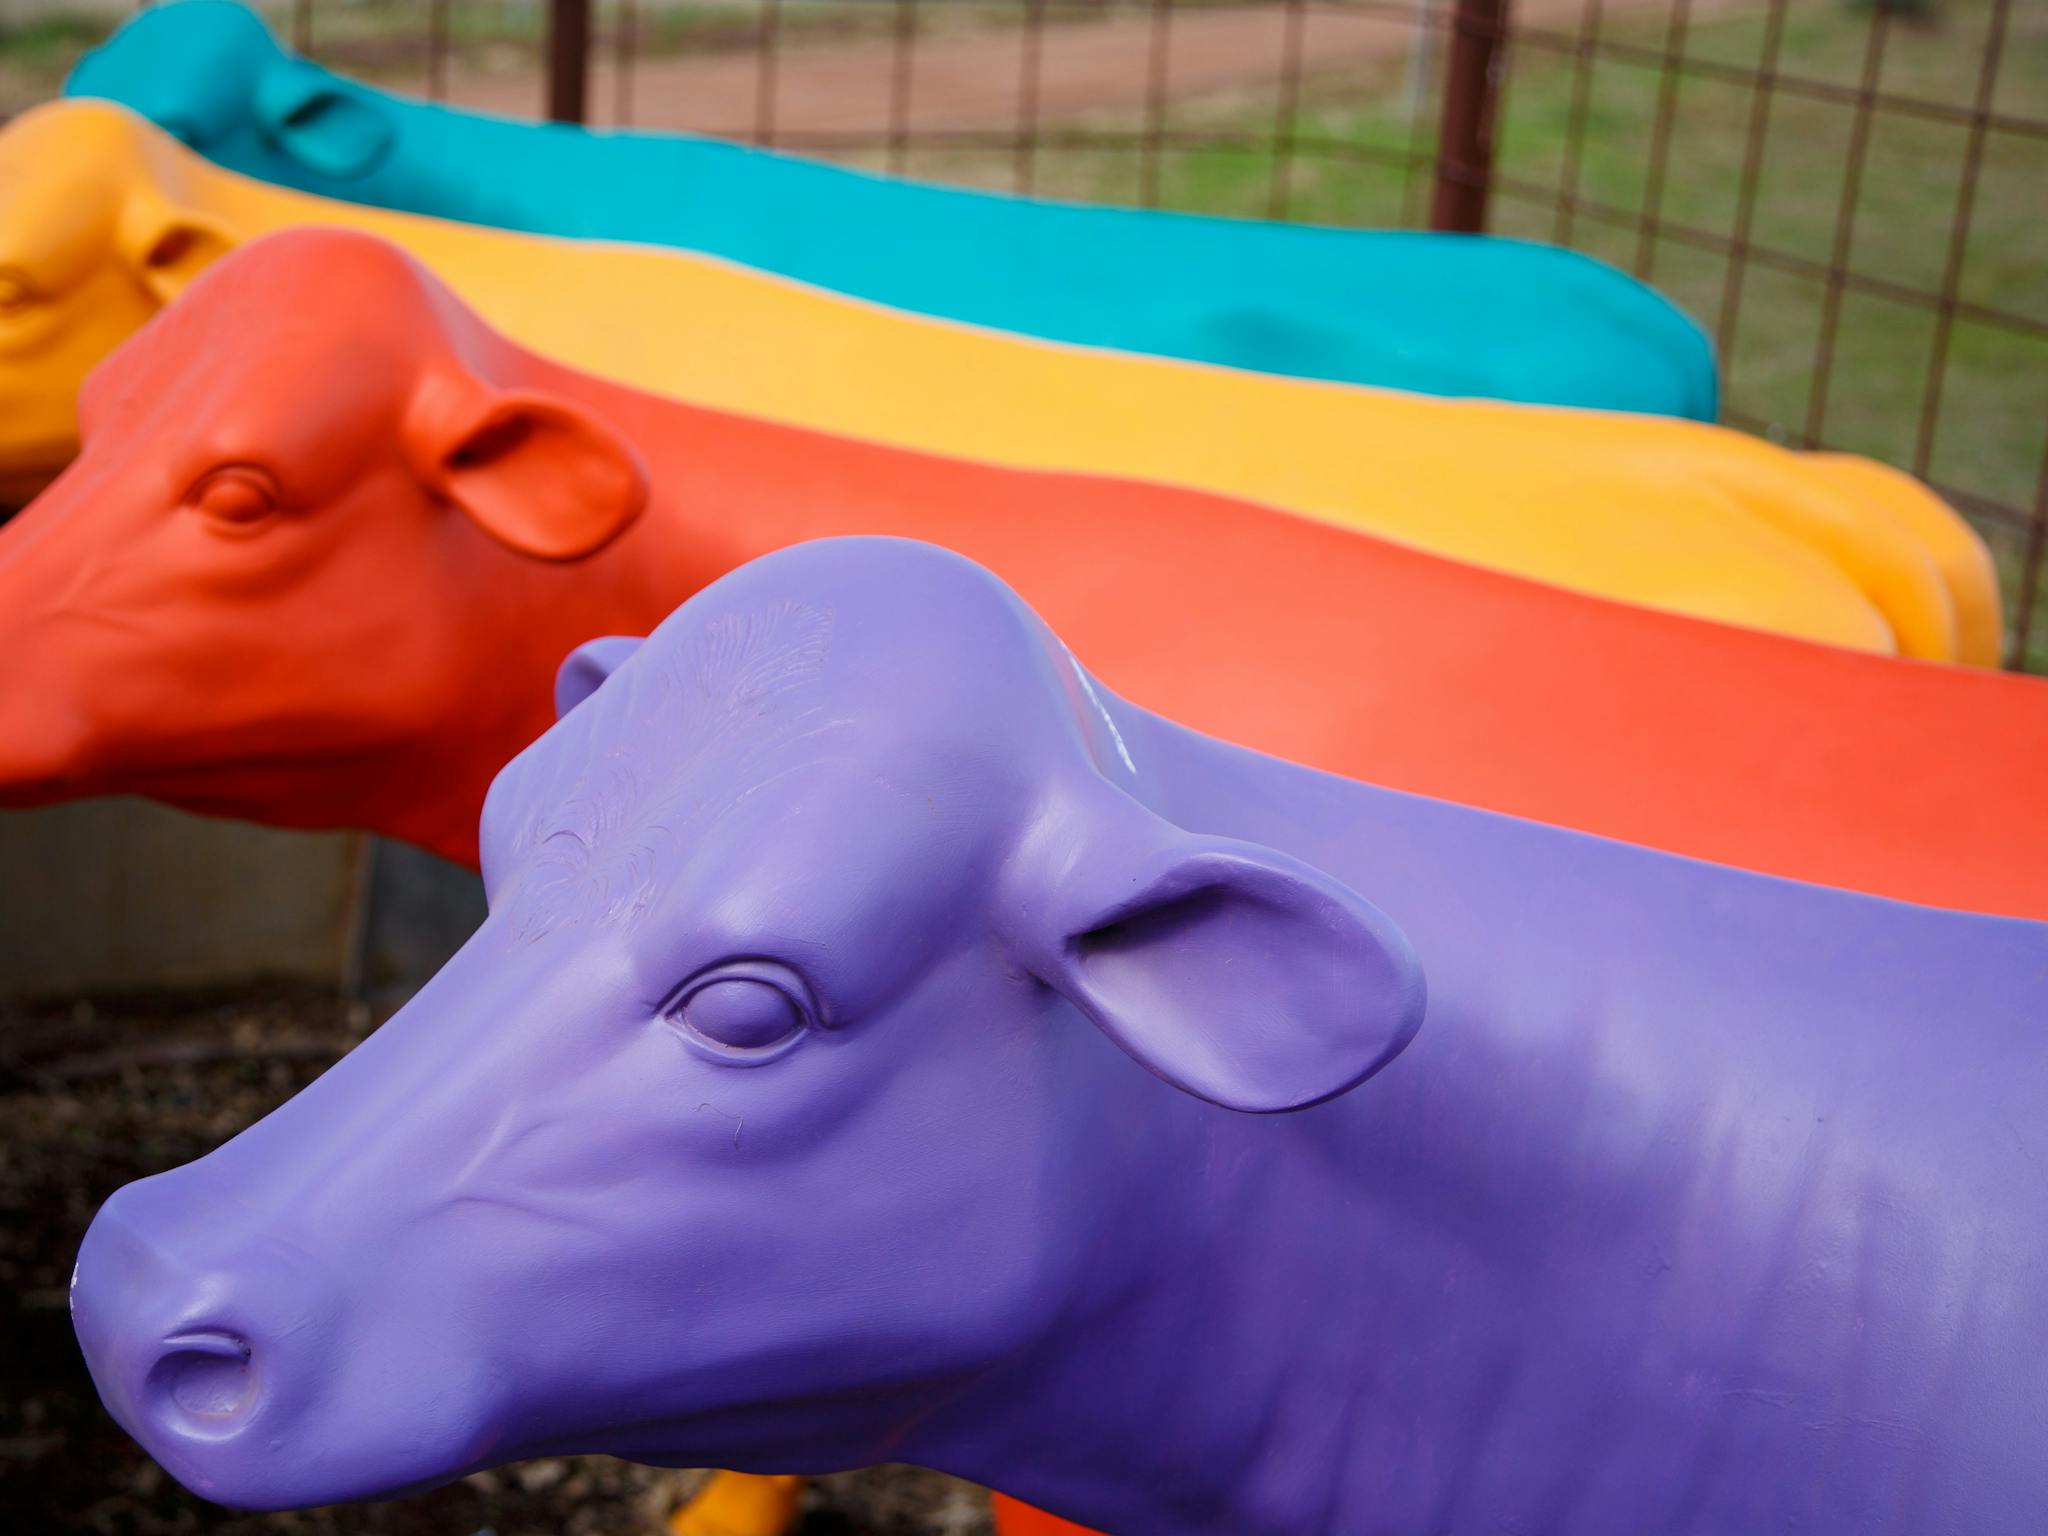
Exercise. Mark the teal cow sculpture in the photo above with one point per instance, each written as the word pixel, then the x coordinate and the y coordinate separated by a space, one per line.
pixel 1440 314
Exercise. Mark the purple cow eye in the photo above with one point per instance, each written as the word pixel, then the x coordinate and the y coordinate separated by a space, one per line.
pixel 739 1013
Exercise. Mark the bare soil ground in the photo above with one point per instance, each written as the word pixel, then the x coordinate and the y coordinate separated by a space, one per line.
pixel 972 78
pixel 959 80
pixel 92 1097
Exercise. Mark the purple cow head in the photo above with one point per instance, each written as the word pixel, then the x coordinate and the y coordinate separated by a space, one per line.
pixel 832 940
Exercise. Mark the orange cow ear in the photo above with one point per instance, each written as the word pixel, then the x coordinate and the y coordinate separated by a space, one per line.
pixel 540 474
pixel 167 247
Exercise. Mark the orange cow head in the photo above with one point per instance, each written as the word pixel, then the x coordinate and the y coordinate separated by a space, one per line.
pixel 306 519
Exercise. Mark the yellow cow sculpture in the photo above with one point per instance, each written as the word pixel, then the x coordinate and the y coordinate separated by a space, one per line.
pixel 103 218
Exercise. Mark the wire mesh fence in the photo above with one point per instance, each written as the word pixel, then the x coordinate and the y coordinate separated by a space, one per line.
pixel 1847 194
pixel 1849 199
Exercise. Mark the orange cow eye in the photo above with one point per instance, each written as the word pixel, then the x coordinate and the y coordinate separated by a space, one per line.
pixel 14 291
pixel 236 497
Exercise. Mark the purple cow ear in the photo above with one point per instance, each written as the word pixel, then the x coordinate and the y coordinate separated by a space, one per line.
pixel 1232 971
pixel 588 666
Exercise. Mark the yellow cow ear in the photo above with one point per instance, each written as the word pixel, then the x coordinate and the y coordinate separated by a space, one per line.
pixel 166 246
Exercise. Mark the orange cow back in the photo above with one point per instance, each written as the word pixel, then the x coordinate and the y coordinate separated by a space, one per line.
pixel 321 555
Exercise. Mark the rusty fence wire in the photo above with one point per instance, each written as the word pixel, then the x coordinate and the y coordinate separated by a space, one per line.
pixel 1851 196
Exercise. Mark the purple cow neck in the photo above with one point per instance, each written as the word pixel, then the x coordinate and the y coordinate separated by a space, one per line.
pixel 1701 1202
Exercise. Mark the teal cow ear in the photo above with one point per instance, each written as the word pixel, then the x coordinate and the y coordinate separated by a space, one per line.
pixel 321 122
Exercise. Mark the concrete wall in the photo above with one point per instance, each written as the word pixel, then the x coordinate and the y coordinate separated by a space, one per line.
pixel 418 910
pixel 122 895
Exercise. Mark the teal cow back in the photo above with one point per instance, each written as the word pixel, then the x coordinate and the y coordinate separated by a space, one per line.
pixel 1440 314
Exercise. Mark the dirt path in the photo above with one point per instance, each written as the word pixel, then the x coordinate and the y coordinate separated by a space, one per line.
pixel 973 79
pixel 960 79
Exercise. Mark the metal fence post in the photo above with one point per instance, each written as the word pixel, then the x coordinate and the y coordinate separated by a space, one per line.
pixel 568 60
pixel 1464 155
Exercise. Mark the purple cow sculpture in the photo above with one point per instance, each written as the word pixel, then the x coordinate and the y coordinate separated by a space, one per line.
pixel 873 1053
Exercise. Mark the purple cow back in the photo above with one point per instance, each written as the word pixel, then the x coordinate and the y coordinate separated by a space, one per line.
pixel 887 1045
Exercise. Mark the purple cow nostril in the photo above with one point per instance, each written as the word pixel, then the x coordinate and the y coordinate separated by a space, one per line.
pixel 208 1377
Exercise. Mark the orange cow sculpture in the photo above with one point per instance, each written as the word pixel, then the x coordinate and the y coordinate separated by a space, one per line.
pixel 329 538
